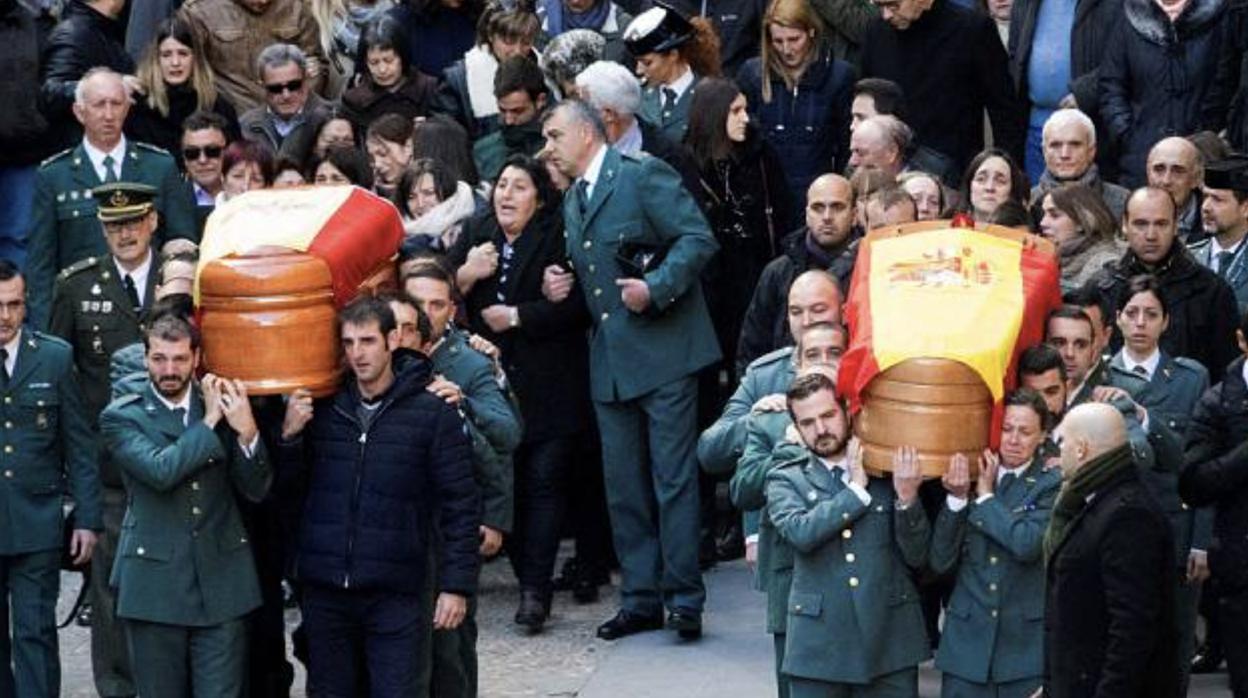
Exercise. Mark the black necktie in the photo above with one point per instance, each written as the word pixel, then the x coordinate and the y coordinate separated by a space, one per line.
pixel 179 413
pixel 582 196
pixel 1224 263
pixel 669 100
pixel 133 294
pixel 1006 480
pixel 4 367
pixel 110 172
pixel 1140 370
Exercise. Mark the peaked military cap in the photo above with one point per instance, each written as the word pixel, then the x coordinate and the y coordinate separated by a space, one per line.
pixel 123 201
pixel 660 28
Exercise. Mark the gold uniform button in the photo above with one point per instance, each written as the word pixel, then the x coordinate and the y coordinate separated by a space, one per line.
pixel 8 449
pixel 7 399
pixel 591 269
pixel 798 608
pixel 8 473
pixel 992 587
pixel 992 560
pixel 849 557
pixel 597 292
pixel 847 534
pixel 8 425
pixel 845 516
pixel 141 551
pixel 587 244
pixel 853 581
pixel 195 511
pixel 605 316
pixel 195 485
pixel 994 613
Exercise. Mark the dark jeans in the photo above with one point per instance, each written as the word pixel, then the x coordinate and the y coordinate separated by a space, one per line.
pixel 358 634
pixel 31 664
pixel 587 508
pixel 1233 622
pixel 541 499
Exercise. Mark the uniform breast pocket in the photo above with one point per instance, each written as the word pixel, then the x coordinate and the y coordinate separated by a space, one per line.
pixel 805 604
pixel 75 205
pixel 140 547
pixel 39 412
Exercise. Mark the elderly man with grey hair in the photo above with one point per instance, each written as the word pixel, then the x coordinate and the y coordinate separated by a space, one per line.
pixel 880 143
pixel 282 123
pixel 615 93
pixel 1069 145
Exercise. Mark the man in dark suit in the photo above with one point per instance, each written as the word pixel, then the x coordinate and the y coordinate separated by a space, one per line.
pixel 1111 576
pixel 637 242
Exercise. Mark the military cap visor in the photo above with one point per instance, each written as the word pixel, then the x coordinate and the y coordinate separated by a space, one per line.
pixel 1231 173
pixel 119 202
pixel 659 28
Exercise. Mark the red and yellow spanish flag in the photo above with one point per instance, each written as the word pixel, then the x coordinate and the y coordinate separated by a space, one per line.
pixel 928 290
pixel 352 229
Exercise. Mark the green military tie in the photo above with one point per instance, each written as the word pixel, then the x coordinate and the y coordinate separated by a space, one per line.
pixel 110 172
pixel 1224 262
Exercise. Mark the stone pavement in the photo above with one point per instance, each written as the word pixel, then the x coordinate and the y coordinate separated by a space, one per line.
pixel 733 660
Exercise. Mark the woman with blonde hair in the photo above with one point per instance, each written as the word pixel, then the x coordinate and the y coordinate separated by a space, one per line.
pixel 673 53
pixel 177 81
pixel 1076 219
pixel 799 93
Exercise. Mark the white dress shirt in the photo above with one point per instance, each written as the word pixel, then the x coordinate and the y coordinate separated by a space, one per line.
pixel 593 171
pixel 10 362
pixel 1150 364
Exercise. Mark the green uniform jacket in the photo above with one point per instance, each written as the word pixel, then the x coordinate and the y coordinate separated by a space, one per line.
pixel 853 612
pixel 64 226
pixel 47 441
pixel 764 449
pixel 641 201
pixel 671 122
pixel 723 443
pixel 183 557
pixel 493 425
pixel 994 625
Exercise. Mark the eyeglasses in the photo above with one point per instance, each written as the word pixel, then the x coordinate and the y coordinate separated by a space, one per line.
pixel 280 87
pixel 211 152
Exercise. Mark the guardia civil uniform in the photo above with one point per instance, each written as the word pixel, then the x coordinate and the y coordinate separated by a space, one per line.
pixel 993 639
pixel 1169 388
pixel 764 449
pixel 184 574
pixel 666 107
pixel 1230 263
pixel 65 228
pixel 450 666
pixel 855 627
pixel 92 310
pixel 642 369
pixel 722 444
pixel 47 443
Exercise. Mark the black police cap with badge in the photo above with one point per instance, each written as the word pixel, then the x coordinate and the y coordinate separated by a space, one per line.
pixel 119 202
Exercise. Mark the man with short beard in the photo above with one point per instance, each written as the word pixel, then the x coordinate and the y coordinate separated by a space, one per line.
pixel 1224 215
pixel 855 626
pixel 186 578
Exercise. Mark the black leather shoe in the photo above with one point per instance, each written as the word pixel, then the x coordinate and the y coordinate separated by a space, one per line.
pixel 84 616
pixel 625 624
pixel 534 610
pixel 687 625
pixel 585 590
pixel 1207 660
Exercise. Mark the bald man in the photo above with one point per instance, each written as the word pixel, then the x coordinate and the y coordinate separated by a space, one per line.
pixel 1109 627
pixel 1174 164
pixel 1202 306
pixel 827 242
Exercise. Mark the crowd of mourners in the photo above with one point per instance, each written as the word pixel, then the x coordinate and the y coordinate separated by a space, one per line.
pixel 629 231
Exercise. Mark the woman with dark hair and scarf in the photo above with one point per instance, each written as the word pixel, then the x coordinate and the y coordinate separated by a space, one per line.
pixel 388 83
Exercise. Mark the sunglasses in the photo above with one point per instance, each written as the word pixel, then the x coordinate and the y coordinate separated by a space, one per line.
pixel 278 88
pixel 211 152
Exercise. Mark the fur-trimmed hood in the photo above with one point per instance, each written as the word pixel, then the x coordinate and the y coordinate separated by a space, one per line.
pixel 1152 23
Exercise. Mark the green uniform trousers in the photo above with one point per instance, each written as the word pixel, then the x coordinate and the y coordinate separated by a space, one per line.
pixel 782 681
pixel 30 663
pixel 954 687
pixel 110 658
pixel 177 661
pixel 448 665
pixel 899 684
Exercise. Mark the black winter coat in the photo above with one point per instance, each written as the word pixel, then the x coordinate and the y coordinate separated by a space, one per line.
pixel 947 88
pixel 1203 311
pixel 765 327
pixel 23 129
pixel 83 39
pixel 377 497
pixel 146 125
pixel 808 125
pixel 365 102
pixel 1227 104
pixel 1110 625
pixel 749 206
pixel 547 356
pixel 1155 77
pixel 1216 473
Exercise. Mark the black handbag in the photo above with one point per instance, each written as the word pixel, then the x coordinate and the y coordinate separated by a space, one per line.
pixel 637 259
pixel 68 565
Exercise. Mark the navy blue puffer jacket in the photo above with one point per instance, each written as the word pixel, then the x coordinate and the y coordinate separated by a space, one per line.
pixel 377 497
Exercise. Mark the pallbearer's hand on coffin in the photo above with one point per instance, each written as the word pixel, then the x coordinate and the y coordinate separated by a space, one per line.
pixel 298 413
pixel 907 475
pixel 957 479
pixel 989 464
